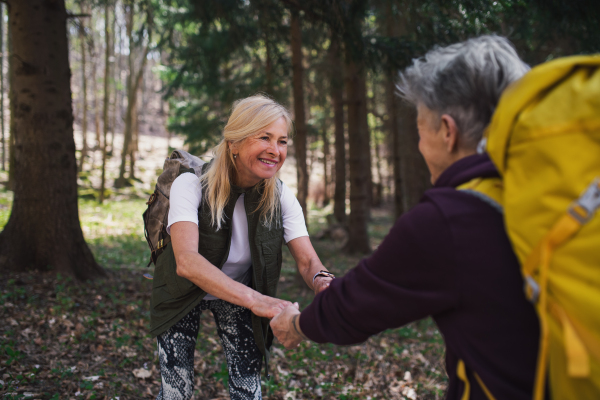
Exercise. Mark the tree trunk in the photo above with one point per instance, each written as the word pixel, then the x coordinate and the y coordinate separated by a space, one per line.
pixel 414 173
pixel 43 230
pixel 135 131
pixel 358 138
pixel 364 120
pixel 84 148
pixel 299 112
pixel 96 100
pixel 377 186
pixel 106 101
pixel 337 100
pixel 392 106
pixel 326 198
pixel 394 134
pixel 116 72
pixel 2 86
pixel 133 83
pixel 11 108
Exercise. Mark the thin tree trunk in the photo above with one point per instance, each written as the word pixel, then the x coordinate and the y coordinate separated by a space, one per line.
pixel 394 133
pixel 392 107
pixel 377 186
pixel 326 151
pixel 337 100
pixel 364 120
pixel 414 172
pixel 2 86
pixel 135 131
pixel 116 71
pixel 95 92
pixel 11 108
pixel 84 148
pixel 133 82
pixel 43 230
pixel 358 137
pixel 106 100
pixel 299 112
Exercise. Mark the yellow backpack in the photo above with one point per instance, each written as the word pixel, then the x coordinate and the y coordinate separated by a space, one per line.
pixel 544 139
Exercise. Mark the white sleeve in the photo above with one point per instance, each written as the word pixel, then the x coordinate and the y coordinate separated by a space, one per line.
pixel 294 225
pixel 184 200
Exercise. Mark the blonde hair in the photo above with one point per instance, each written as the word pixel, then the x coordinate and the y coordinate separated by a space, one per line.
pixel 248 117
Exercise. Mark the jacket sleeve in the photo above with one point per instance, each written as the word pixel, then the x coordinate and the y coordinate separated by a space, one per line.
pixel 411 275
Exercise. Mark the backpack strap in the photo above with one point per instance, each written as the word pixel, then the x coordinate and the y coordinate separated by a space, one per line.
pixel 461 372
pixel 488 190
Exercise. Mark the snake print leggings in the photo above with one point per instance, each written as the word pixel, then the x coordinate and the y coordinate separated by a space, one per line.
pixel 176 352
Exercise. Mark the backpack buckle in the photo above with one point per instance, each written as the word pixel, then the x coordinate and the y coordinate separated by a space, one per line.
pixel 583 209
pixel 532 289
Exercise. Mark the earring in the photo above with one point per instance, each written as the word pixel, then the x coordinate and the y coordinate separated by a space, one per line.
pixel 235 156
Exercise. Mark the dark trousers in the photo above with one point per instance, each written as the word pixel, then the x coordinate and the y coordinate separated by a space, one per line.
pixel 244 360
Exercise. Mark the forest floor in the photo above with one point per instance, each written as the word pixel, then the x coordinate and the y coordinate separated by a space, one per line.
pixel 61 339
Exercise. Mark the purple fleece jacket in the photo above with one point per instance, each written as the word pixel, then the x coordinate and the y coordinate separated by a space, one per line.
pixel 449 258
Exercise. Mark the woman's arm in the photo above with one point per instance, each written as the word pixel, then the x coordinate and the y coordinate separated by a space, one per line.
pixel 194 267
pixel 308 263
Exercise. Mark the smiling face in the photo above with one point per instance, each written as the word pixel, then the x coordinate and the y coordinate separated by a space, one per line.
pixel 262 155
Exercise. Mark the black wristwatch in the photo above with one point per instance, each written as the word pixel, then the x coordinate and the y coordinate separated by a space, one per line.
pixel 324 273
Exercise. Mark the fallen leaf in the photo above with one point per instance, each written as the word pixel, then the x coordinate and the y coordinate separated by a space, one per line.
pixel 142 373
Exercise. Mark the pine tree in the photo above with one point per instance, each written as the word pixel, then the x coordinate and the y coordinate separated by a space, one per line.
pixel 43 230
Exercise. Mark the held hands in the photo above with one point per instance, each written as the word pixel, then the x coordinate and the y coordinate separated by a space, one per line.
pixel 283 327
pixel 269 307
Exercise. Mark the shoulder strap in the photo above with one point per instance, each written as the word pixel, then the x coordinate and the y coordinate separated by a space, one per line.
pixel 488 190
pixel 461 372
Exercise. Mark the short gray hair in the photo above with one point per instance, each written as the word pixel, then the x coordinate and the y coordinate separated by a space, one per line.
pixel 464 80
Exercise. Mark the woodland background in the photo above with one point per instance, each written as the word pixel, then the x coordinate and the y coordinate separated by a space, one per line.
pixel 95 93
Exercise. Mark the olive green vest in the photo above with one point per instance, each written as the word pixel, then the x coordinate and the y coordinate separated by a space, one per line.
pixel 173 296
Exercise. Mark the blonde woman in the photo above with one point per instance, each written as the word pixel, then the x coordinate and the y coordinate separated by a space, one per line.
pixel 227 229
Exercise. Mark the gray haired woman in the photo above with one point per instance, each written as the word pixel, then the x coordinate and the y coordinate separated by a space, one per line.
pixel 449 256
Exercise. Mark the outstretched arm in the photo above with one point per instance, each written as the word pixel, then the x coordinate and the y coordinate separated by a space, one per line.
pixel 194 267
pixel 309 263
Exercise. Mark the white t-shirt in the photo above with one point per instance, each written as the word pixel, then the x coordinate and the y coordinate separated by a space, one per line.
pixel 185 197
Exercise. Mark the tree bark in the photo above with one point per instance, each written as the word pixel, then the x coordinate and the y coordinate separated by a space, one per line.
pixel 135 132
pixel 115 77
pixel 133 83
pixel 11 108
pixel 358 139
pixel 392 27
pixel 96 100
pixel 337 100
pixel 43 231
pixel 364 120
pixel 394 133
pixel 413 170
pixel 2 86
pixel 84 147
pixel 106 101
pixel 299 112
pixel 326 151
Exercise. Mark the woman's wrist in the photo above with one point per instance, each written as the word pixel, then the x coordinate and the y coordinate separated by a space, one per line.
pixel 253 298
pixel 296 326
